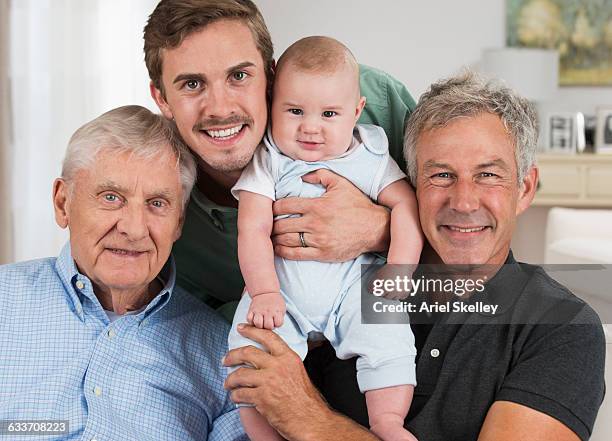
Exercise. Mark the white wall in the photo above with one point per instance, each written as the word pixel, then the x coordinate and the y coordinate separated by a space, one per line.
pixel 417 41
pixel 71 60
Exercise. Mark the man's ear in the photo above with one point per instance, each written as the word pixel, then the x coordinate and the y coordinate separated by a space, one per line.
pixel 61 190
pixel 360 105
pixel 527 190
pixel 160 100
pixel 179 228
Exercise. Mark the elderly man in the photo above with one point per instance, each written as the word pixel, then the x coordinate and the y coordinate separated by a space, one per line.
pixel 99 343
pixel 533 370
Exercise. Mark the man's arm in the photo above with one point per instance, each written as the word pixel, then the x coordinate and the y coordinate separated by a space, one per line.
pixel 227 427
pixel 556 385
pixel 338 226
pixel 281 391
pixel 507 421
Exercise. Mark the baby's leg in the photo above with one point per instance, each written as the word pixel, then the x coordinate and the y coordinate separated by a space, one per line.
pixel 387 409
pixel 256 426
pixel 385 365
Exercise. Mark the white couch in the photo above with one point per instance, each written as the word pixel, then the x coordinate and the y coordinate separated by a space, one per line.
pixel 576 236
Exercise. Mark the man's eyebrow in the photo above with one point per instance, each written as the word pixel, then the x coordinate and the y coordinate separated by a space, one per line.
pixel 164 193
pixel 110 185
pixel 202 78
pixel 494 163
pixel 435 164
pixel 189 76
pixel 240 66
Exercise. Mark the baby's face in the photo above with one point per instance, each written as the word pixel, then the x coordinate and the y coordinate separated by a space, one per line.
pixel 313 115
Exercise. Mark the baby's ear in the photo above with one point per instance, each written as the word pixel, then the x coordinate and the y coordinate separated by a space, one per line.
pixel 360 105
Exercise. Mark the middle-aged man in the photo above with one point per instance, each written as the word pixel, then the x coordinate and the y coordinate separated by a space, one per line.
pixel 531 371
pixel 99 343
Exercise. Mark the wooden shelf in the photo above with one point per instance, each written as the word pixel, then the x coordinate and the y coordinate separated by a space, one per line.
pixel 581 180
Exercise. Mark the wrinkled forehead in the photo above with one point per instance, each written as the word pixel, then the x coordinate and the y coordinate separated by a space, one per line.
pixel 130 169
pixel 467 141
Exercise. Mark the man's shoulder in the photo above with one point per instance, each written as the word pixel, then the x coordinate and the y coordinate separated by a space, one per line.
pixel 379 87
pixel 29 273
pixel 195 321
pixel 388 105
pixel 556 302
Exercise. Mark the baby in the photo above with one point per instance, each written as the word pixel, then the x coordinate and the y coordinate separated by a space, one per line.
pixel 316 104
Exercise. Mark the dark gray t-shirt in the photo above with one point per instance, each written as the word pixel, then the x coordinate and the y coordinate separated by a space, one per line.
pixel 544 348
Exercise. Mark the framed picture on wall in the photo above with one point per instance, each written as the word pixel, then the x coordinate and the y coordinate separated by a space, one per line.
pixel 603 131
pixel 580 30
pixel 565 132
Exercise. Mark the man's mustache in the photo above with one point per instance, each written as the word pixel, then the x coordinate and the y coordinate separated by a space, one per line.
pixel 451 217
pixel 225 122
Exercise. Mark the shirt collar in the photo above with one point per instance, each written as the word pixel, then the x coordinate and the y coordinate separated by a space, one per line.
pixel 198 198
pixel 77 284
pixel 504 288
pixel 271 145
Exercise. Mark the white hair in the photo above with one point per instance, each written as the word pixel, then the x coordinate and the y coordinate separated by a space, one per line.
pixel 468 95
pixel 132 129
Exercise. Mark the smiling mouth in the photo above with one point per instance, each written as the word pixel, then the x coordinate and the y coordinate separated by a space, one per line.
pixel 125 253
pixel 224 134
pixel 465 229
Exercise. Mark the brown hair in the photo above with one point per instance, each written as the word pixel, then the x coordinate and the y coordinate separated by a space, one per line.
pixel 174 20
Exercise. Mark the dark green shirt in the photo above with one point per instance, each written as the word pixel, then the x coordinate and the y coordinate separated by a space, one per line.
pixel 207 252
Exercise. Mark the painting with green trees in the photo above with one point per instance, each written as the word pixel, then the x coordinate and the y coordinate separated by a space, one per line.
pixel 581 30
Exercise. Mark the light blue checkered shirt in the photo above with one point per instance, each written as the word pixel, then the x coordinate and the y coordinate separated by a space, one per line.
pixel 155 375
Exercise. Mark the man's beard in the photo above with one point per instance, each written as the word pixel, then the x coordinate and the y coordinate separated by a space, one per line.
pixel 229 164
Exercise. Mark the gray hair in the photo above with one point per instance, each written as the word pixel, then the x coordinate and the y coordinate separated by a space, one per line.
pixel 468 95
pixel 132 129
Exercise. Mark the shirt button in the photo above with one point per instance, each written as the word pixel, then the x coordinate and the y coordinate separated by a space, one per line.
pixel 435 353
pixel 80 285
pixel 97 391
pixel 111 333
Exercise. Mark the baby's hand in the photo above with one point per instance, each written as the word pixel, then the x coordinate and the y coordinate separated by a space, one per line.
pixel 267 310
pixel 396 280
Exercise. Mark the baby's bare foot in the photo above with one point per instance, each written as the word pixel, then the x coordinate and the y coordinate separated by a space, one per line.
pixel 392 432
